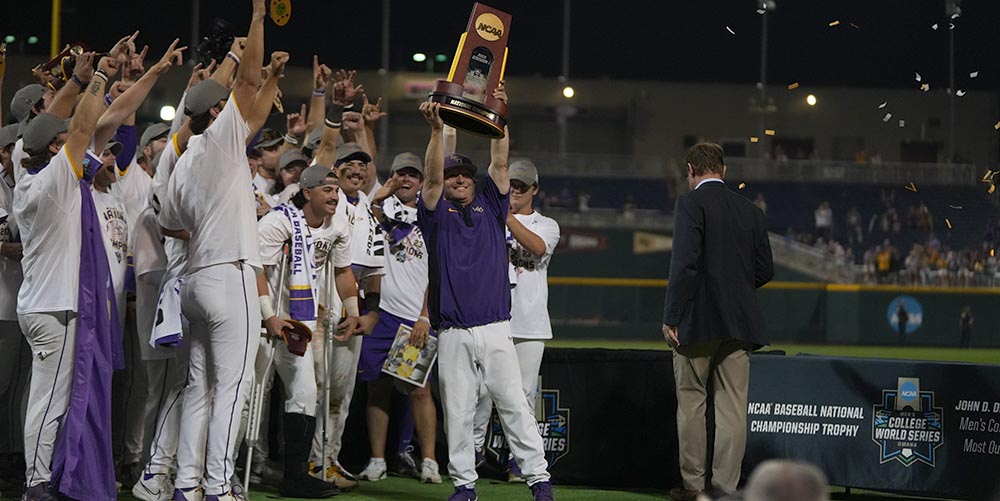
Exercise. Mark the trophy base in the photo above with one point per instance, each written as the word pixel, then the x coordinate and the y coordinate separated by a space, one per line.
pixel 469 115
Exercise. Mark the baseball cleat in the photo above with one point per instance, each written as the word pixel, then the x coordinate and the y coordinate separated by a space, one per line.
pixel 464 493
pixel 189 494
pixel 153 487
pixel 542 491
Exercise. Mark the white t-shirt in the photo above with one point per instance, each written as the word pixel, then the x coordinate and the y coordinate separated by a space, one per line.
pixel 529 301
pixel 367 244
pixel 47 210
pixel 115 232
pixel 153 251
pixel 132 189
pixel 263 184
pixel 406 265
pixel 10 270
pixel 16 155
pixel 332 242
pixel 209 195
pixel 273 230
pixel 147 246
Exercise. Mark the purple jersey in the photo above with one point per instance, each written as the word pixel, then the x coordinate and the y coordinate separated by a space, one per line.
pixel 468 282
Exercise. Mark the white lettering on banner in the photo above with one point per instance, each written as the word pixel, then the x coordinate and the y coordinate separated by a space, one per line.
pixel 818 427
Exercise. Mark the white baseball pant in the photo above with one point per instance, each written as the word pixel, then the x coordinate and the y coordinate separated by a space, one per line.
pixel 220 301
pixel 343 376
pixel 529 359
pixel 129 391
pixel 52 337
pixel 15 367
pixel 166 410
pixel 485 355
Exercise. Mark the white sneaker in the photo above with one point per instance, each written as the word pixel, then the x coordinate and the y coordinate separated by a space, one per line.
pixel 375 471
pixel 429 472
pixel 154 487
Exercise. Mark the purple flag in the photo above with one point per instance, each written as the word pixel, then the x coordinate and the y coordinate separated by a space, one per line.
pixel 82 463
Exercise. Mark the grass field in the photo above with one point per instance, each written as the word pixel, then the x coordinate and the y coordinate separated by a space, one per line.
pixel 407 489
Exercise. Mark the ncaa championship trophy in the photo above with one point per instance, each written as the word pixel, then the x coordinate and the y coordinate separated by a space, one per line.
pixel 466 97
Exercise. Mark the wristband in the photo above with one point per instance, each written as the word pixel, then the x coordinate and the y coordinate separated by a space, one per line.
pixel 334 112
pixel 372 301
pixel 335 125
pixel 425 319
pixel 232 56
pixel 292 140
pixel 75 79
pixel 266 310
pixel 351 306
pixel 319 92
pixel 349 107
pixel 108 99
pixel 102 74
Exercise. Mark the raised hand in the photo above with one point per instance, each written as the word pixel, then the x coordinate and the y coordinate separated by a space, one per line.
pixel 296 122
pixel 239 43
pixel 171 56
pixel 372 112
pixel 118 88
pixel 391 185
pixel 500 93
pixel 353 121
pixel 124 49
pixel 84 67
pixel 321 74
pixel 134 69
pixel 200 74
pixel 278 61
pixel 344 89
pixel 431 112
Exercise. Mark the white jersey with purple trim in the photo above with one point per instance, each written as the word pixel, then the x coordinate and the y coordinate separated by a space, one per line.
pixel 406 265
pixel 10 270
pixel 332 242
pixel 529 313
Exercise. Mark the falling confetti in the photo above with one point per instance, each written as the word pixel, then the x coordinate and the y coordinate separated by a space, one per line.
pixel 934 26
pixel 793 86
pixel 902 123
pixel 912 187
pixel 956 207
pixel 743 185
pixel 754 139
pixel 992 188
pixel 955 15
pixel 991 252
pixel 918 76
pixel 730 30
pixel 834 23
pixel 974 74
pixel 769 132
pixel 855 26
pixel 996 126
pixel 925 87
pixel 951 26
pixel 960 93
pixel 988 176
pixel 946 221
pixel 883 104
pixel 761 11
pixel 887 117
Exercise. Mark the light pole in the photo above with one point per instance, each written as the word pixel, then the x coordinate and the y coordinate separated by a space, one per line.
pixel 564 110
pixel 953 9
pixel 763 106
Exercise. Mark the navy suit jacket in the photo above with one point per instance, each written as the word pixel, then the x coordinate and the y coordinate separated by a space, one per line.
pixel 721 255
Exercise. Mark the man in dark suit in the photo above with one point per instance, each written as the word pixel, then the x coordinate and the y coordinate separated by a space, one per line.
pixel 712 321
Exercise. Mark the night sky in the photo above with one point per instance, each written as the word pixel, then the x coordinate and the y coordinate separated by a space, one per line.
pixel 643 39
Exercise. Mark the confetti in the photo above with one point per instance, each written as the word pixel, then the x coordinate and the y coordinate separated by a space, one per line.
pixel 934 26
pixel 754 139
pixel 992 188
pixel 955 15
pixel 925 87
pixel 793 86
pixel 768 132
pixel 951 26
pixel 987 176
pixel 883 104
pixel 887 117
pixel 956 207
pixel 730 30
pixel 902 123
pixel 834 23
pixel 991 252
pixel 960 93
pixel 974 74
pixel 996 126
pixel 743 185
pixel 918 76
pixel 855 26
pixel 761 11
pixel 946 221
pixel 912 187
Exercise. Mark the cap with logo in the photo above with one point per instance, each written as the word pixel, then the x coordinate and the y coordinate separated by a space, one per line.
pixel 25 99
pixel 406 161
pixel 316 175
pixel 292 156
pixel 523 171
pixel 203 96
pixel 152 133
pixel 351 151
pixel 457 161
pixel 40 131
pixel 8 135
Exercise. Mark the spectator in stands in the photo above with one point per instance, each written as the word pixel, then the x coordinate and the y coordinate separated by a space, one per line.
pixel 883 261
pixel 854 233
pixel 628 207
pixel 761 203
pixel 965 323
pixel 823 216
pixel 783 480
pixel 583 201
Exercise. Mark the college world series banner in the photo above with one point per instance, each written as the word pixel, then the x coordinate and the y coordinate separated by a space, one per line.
pixel 915 427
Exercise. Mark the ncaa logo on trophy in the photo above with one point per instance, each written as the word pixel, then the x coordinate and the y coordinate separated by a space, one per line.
pixel 466 96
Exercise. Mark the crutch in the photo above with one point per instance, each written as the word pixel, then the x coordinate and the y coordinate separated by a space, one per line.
pixel 329 326
pixel 260 386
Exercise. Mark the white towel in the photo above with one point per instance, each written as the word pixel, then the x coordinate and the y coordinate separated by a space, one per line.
pixel 167 329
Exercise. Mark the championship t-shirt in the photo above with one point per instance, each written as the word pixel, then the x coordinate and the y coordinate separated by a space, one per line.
pixel 529 312
pixel 469 284
pixel 132 189
pixel 10 270
pixel 332 243
pixel 405 277
pixel 367 244
pixel 216 206
pixel 115 233
pixel 47 211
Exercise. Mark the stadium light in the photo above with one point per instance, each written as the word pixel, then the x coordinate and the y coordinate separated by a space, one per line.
pixel 167 113
pixel 441 58
pixel 811 100
pixel 9 39
pixel 32 40
pixel 419 57
pixel 568 92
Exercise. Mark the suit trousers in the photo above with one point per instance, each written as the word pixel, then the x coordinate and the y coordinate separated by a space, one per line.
pixel 723 367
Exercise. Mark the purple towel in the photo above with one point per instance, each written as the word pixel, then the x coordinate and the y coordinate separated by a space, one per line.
pixel 82 463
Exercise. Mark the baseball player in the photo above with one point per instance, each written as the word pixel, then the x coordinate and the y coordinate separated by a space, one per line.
pixel 469 303
pixel 534 239
pixel 311 208
pixel 219 279
pixel 402 303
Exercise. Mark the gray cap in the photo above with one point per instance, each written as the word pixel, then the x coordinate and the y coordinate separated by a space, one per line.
pixel 269 138
pixel 8 135
pixel 25 99
pixel 316 175
pixel 406 160
pixel 152 133
pixel 291 156
pixel 203 96
pixel 351 151
pixel 41 131
pixel 115 147
pixel 523 171
pixel 313 139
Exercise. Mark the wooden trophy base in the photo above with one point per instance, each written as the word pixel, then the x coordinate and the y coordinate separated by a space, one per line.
pixel 484 119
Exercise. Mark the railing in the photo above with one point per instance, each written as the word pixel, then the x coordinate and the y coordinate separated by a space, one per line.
pixel 810 260
pixel 639 219
pixel 831 171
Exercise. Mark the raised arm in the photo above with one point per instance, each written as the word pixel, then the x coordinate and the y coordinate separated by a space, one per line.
pixel 372 113
pixel 227 68
pixel 248 78
pixel 499 151
pixel 81 128
pixel 265 96
pixel 433 184
pixel 317 105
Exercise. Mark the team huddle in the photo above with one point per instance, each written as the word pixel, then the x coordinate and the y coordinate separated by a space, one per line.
pixel 159 283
